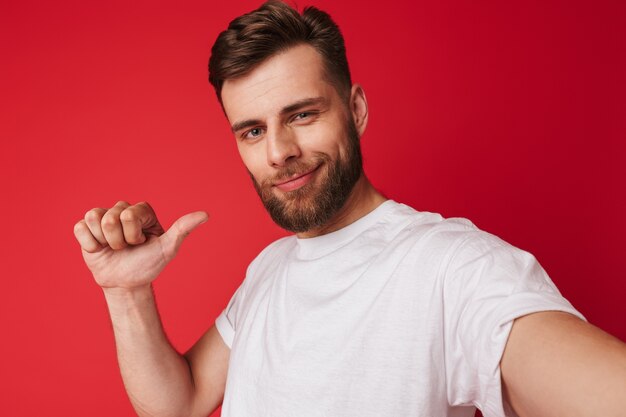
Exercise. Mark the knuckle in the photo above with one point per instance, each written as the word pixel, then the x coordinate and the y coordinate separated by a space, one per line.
pixel 122 203
pixel 128 215
pixel 108 222
pixel 92 215
pixel 144 205
pixel 79 227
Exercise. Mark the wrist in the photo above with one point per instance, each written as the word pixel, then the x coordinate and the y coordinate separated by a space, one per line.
pixel 131 309
pixel 127 296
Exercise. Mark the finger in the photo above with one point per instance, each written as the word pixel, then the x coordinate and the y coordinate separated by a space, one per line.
pixel 85 238
pixel 93 218
pixel 138 221
pixel 112 227
pixel 181 228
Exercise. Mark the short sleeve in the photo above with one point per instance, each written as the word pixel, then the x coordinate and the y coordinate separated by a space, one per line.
pixel 226 322
pixel 488 283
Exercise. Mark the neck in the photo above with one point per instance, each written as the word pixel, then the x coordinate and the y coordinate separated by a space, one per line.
pixel 362 200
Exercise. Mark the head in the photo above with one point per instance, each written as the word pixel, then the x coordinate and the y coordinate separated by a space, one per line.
pixel 283 81
pixel 274 27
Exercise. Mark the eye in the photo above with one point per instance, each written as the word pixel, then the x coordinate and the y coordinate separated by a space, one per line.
pixel 253 133
pixel 304 116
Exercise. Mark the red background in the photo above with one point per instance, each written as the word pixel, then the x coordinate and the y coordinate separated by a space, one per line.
pixel 512 115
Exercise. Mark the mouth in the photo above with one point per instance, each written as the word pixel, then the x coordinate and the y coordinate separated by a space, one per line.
pixel 296 181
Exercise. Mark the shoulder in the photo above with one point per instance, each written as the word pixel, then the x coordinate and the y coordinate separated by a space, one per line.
pixel 431 230
pixel 267 259
pixel 435 222
pixel 271 253
pixel 455 243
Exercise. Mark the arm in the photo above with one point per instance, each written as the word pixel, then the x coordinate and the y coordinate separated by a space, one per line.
pixel 555 364
pixel 126 248
pixel 160 381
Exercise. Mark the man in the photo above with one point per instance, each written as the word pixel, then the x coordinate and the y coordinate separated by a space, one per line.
pixel 372 308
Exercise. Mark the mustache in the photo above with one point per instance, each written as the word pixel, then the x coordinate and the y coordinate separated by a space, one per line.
pixel 295 168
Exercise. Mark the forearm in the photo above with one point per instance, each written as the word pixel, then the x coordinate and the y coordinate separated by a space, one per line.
pixel 156 377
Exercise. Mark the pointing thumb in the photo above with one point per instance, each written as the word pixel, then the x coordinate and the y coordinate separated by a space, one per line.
pixel 181 228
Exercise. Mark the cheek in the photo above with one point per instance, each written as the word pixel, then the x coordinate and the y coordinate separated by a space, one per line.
pixel 254 161
pixel 322 138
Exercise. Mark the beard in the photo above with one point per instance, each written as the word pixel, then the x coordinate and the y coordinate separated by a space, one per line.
pixel 311 205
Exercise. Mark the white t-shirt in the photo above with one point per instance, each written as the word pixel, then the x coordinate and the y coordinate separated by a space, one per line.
pixel 401 313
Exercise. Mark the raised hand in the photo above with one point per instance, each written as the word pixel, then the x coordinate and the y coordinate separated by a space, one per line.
pixel 126 246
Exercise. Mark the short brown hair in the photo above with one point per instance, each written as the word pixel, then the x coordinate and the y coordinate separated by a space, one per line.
pixel 274 27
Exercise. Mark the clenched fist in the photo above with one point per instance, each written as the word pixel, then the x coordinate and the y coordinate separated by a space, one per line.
pixel 126 247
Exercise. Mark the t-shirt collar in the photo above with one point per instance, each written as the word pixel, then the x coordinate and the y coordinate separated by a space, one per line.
pixel 315 247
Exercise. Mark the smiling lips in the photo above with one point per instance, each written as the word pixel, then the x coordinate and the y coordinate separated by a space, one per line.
pixel 296 181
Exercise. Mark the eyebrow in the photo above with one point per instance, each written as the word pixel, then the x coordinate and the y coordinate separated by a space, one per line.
pixel 285 110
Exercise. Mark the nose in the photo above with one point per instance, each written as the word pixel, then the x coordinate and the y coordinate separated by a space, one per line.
pixel 282 146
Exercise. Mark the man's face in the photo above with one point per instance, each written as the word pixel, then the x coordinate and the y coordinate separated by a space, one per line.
pixel 296 137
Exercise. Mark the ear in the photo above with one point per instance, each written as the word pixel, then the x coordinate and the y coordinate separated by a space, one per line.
pixel 358 108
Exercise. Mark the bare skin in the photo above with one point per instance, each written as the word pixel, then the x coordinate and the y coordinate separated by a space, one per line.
pixel 553 365
pixel 126 248
pixel 276 137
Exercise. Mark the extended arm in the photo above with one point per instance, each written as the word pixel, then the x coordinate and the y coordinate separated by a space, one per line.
pixel 555 364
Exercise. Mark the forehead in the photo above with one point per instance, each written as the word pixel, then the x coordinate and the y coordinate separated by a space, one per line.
pixel 290 76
